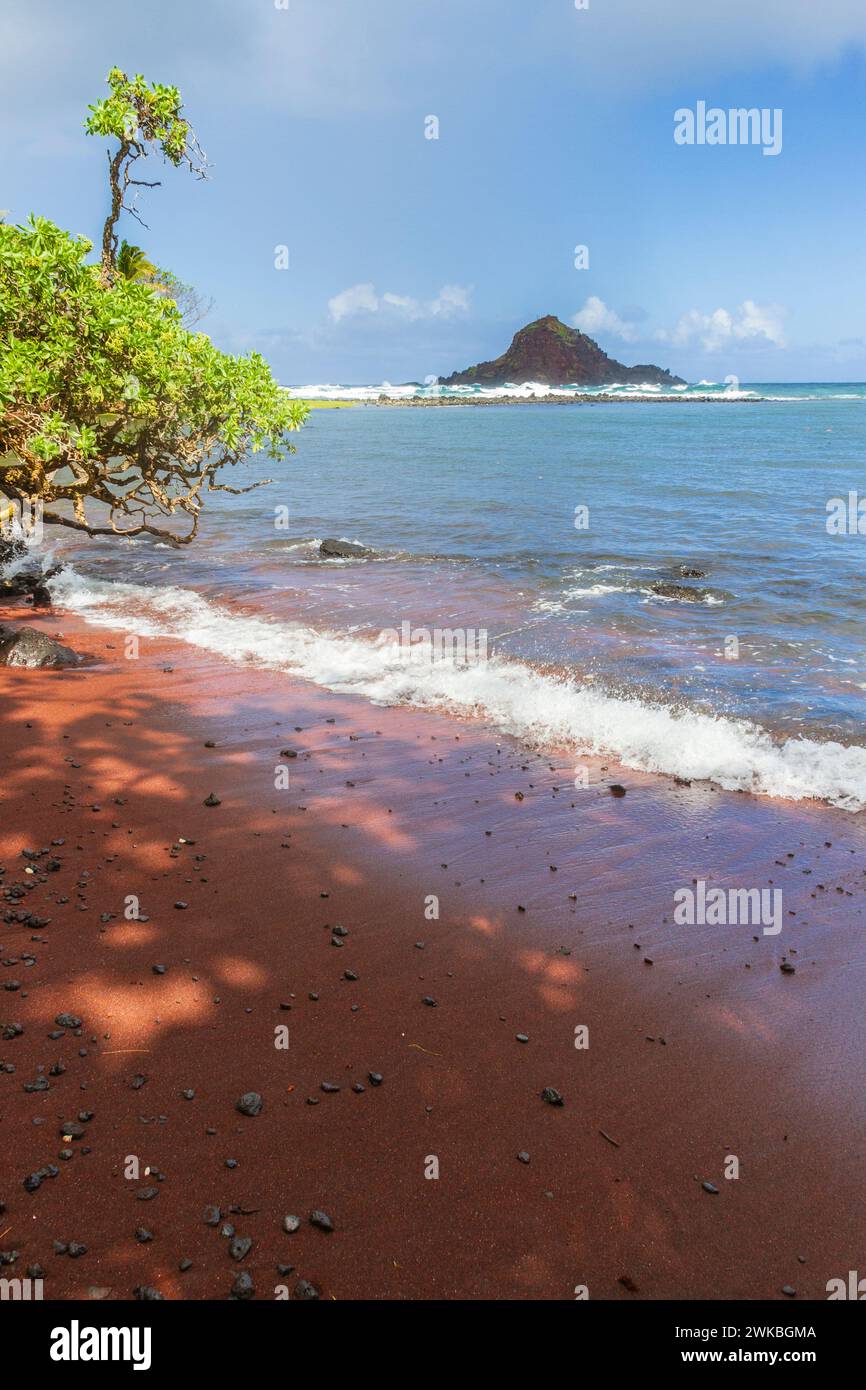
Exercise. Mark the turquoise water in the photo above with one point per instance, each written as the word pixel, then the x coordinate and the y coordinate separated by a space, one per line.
pixel 471 517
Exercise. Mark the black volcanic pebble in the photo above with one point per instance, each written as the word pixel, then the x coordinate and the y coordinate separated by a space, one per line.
pixel 68 1021
pixel 143 1235
pixel 145 1293
pixel 552 1096
pixel 147 1194
pixel 329 1088
pixel 75 1248
pixel 429 1001
pixel 358 1088
pixel 305 1290
pixel 243 1287
pixel 523 1156
pixel 711 1188
pixel 291 1224
pixel 250 1103
pixel 211 1216
pixel 240 1247
pixel 184 1266
pixel 322 1220
pixel 617 789
pixel 375 1077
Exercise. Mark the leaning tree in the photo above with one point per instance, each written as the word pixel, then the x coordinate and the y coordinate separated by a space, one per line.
pixel 114 416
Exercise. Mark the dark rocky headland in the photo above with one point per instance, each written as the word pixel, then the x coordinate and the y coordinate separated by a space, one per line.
pixel 550 352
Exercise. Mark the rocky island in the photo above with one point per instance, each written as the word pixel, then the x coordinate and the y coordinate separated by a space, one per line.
pixel 550 352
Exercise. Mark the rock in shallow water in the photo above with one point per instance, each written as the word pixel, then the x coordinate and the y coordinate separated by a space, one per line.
pixel 680 593
pixel 342 550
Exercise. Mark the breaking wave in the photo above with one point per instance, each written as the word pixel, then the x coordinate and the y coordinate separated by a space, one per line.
pixel 541 709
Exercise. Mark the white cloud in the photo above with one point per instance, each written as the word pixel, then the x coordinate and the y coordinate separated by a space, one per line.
pixel 345 57
pixel 451 299
pixel 359 299
pixel 363 299
pixel 721 327
pixel 596 318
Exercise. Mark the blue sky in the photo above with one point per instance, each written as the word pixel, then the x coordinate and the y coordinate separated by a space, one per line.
pixel 411 257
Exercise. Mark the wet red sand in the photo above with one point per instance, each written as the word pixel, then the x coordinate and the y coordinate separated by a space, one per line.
pixel 710 1051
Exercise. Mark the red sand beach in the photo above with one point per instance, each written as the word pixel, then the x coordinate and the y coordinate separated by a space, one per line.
pixel 555 913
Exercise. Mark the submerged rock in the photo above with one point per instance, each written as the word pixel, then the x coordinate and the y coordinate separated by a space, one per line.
pixel 681 592
pixel 342 550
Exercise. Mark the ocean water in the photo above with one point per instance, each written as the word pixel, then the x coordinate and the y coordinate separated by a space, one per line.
pixel 758 683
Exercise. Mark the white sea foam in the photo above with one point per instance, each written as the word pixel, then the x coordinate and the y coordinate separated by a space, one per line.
pixel 513 697
pixel 527 390
pixel 537 390
pixel 577 591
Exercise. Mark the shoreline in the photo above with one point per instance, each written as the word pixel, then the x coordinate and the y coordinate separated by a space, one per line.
pixel 563 398
pixel 555 913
